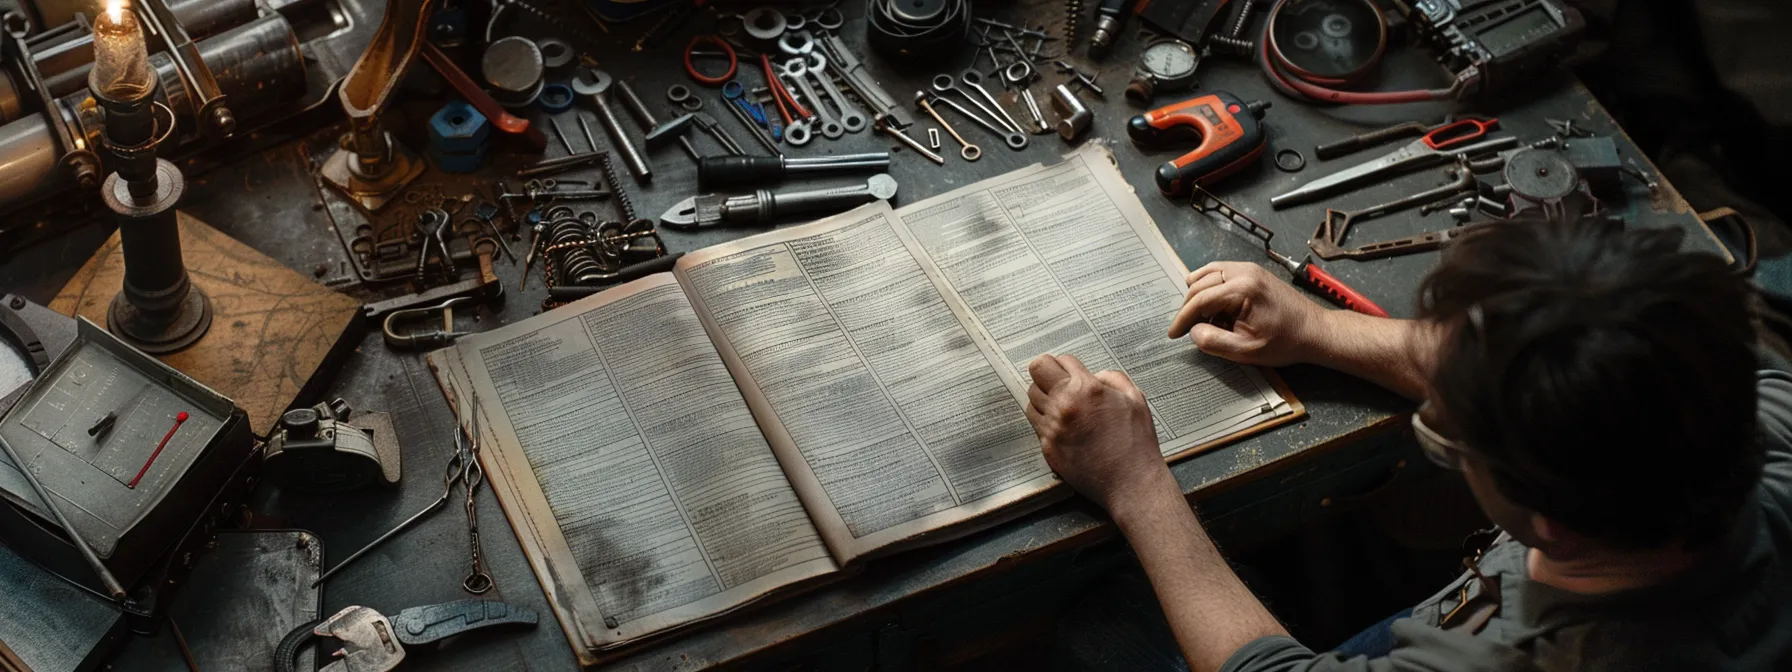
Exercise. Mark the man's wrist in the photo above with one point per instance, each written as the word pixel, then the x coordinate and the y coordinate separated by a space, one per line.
pixel 1145 499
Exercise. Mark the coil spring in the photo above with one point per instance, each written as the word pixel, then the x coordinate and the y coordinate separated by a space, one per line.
pixel 570 250
pixel 607 166
pixel 1073 20
pixel 1234 40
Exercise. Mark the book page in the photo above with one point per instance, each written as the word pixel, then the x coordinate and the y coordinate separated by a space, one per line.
pixel 882 405
pixel 1063 259
pixel 631 469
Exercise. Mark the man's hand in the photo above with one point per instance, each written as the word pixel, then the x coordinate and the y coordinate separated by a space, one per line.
pixel 1239 311
pixel 1096 430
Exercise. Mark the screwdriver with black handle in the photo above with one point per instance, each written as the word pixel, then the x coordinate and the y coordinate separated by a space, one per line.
pixel 741 171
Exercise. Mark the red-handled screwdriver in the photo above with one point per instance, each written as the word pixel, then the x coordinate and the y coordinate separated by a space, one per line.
pixel 1315 278
pixel 1305 271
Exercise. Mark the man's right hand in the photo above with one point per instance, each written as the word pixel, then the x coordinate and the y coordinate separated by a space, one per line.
pixel 1267 322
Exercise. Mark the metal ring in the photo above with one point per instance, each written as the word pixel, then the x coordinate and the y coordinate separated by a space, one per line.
pixel 822 19
pixel 1290 160
pixel 692 104
pixel 678 93
pixel 796 43
pixel 795 21
pixel 763 23
pixel 555 98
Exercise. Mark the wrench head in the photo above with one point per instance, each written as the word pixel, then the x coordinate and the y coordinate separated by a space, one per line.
pixel 798 133
pixel 368 641
pixel 592 83
pixel 941 83
pixel 881 186
pixel 971 77
pixel 796 67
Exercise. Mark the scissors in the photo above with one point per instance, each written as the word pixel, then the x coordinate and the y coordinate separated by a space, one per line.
pixel 1441 145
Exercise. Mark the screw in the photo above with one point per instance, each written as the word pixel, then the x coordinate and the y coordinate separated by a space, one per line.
pixel 18 303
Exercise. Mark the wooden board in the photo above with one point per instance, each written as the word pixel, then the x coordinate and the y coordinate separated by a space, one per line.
pixel 272 329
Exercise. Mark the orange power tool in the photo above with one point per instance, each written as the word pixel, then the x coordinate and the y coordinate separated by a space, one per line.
pixel 1230 132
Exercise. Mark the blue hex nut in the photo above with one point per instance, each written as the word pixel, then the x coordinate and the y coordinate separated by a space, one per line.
pixel 458 129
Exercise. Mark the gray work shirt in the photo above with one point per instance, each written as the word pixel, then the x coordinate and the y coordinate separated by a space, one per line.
pixel 1731 612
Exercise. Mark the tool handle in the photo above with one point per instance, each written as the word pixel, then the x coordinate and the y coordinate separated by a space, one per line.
pixel 1459 132
pixel 1360 141
pixel 772 205
pixel 1338 292
pixel 1230 134
pixel 722 171
pixel 530 134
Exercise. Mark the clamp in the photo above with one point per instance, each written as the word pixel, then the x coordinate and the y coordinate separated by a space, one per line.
pixel 373 643
pixel 408 340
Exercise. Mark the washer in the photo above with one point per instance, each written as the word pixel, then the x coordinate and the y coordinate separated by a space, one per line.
pixel 1290 160
pixel 763 24
pixel 796 43
pixel 556 53
pixel 555 98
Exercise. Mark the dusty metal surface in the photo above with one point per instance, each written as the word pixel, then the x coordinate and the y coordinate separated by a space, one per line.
pixel 271 201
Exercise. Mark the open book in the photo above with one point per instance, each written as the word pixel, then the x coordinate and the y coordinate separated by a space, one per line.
pixel 781 407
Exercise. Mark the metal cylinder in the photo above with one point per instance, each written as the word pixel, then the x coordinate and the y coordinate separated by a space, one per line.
pixel 64 56
pixel 258 65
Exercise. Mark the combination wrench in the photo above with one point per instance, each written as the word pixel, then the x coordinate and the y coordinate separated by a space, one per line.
pixel 1014 140
pixel 849 115
pixel 830 126
pixel 974 79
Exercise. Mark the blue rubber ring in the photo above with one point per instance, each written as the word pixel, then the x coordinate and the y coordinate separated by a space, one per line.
pixel 555 98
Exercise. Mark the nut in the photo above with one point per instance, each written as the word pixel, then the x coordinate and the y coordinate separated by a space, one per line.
pixel 457 128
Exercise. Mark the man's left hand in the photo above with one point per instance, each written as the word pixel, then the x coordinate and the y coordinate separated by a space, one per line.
pixel 1096 429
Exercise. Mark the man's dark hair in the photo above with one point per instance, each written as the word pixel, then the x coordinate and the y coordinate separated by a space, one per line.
pixel 1607 378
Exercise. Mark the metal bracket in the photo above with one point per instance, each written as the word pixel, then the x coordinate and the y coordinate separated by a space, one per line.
pixel 203 94
pixel 1328 240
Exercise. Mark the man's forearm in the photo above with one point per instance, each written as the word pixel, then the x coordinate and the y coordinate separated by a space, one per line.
pixel 1395 354
pixel 1209 609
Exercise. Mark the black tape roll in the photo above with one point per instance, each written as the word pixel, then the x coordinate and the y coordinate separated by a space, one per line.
pixel 917 31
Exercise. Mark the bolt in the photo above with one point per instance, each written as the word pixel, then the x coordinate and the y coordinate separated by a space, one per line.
pixel 18 303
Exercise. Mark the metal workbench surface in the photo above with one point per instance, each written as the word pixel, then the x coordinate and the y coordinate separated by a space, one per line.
pixel 271 201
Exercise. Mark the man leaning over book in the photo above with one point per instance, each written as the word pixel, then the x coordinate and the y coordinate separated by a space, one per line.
pixel 1600 392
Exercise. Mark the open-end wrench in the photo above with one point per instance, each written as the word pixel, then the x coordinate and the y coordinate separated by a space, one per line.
pixel 1013 140
pixel 974 79
pixel 849 115
pixel 830 126
pixel 970 152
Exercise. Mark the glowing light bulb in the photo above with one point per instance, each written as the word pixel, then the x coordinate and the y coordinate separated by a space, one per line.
pixel 120 60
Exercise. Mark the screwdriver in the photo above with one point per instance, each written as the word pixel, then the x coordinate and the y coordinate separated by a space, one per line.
pixel 1317 279
pixel 734 171
pixel 1305 271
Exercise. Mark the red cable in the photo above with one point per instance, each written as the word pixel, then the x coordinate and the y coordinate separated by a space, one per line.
pixel 690 67
pixel 1272 62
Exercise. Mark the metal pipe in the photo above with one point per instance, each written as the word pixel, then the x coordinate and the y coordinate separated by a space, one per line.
pixel 65 58
pixel 258 64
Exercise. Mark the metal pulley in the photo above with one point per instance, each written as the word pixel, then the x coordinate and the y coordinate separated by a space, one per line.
pixel 1545 184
